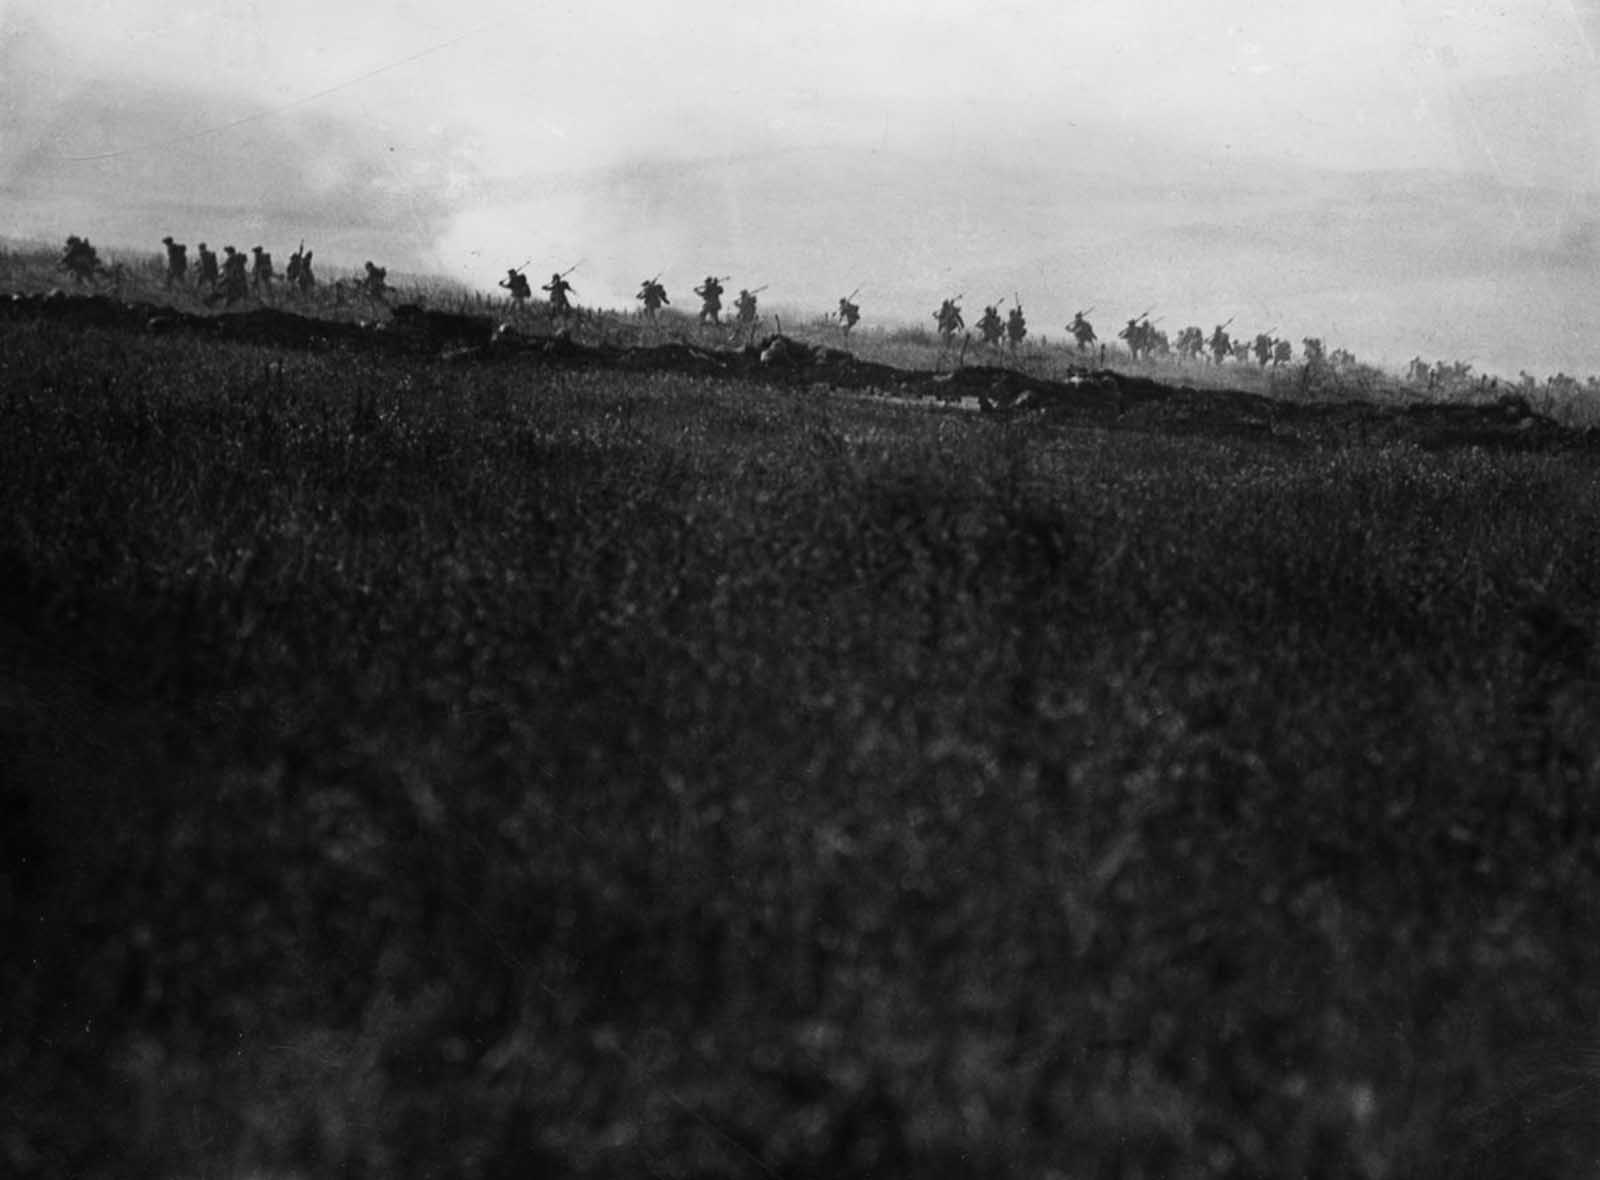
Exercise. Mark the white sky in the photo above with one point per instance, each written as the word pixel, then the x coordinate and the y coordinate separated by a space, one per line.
pixel 924 143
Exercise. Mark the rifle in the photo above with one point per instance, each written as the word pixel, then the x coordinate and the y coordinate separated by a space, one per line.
pixel 1228 321
pixel 760 289
pixel 853 294
pixel 1145 313
pixel 1084 313
pixel 571 268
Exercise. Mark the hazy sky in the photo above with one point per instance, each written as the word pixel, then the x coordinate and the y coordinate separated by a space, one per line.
pixel 1399 176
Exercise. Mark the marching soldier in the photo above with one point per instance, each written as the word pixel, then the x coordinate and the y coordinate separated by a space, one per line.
pixel 298 272
pixel 653 295
pixel 849 314
pixel 1282 353
pixel 1221 344
pixel 949 319
pixel 80 259
pixel 206 268
pixel 177 261
pixel 1263 349
pixel 990 327
pixel 1016 326
pixel 235 283
pixel 560 305
pixel 710 300
pixel 262 270
pixel 746 305
pixel 517 284
pixel 376 283
pixel 1137 334
pixel 1082 331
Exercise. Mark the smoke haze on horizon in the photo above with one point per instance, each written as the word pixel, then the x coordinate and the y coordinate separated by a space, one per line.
pixel 1398 178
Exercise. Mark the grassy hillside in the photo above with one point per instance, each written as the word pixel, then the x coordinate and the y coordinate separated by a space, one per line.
pixel 423 769
pixel 1045 353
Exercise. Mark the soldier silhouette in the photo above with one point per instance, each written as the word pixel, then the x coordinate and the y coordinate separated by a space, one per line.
pixel 235 282
pixel 746 311
pixel 1221 344
pixel 517 284
pixel 849 314
pixel 1082 331
pixel 949 319
pixel 80 259
pixel 710 293
pixel 558 287
pixel 1016 326
pixel 990 327
pixel 206 269
pixel 653 295
pixel 262 270
pixel 177 261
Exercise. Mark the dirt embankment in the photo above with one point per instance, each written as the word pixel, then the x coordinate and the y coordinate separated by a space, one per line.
pixel 1091 395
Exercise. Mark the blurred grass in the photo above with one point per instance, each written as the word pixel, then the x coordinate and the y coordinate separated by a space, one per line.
pixel 415 769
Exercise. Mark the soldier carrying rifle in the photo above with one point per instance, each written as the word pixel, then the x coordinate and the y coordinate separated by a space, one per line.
pixel 748 318
pixel 1140 335
pixel 560 305
pixel 949 318
pixel 1082 330
pixel 1016 325
pixel 517 284
pixel 1221 343
pixel 653 295
pixel 298 273
pixel 849 313
pixel 990 326
pixel 710 293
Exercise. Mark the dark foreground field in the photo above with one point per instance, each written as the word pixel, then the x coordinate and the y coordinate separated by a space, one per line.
pixel 500 771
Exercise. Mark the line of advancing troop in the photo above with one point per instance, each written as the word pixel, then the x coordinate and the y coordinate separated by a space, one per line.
pixel 233 277
pixel 652 297
pixel 229 279
pixel 1140 335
